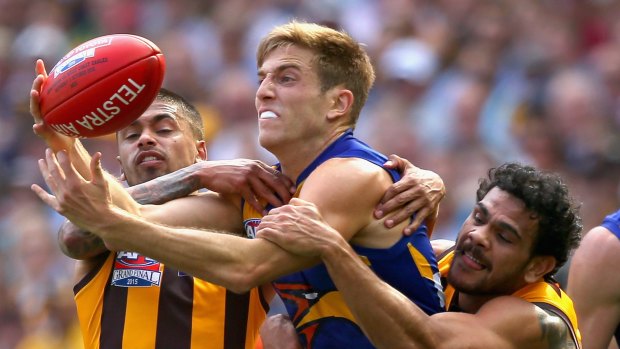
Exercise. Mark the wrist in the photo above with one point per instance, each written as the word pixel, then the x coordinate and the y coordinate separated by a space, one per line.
pixel 199 175
pixel 333 249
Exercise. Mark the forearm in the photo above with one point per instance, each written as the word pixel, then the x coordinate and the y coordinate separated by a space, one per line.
pixel 231 261
pixel 80 244
pixel 387 317
pixel 168 187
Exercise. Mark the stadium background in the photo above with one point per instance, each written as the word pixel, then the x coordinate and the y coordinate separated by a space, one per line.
pixel 462 85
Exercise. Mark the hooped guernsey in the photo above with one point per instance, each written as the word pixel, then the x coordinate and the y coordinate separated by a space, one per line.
pixel 315 306
pixel 134 302
pixel 545 295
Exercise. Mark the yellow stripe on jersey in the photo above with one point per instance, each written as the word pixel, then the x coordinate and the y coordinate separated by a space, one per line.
pixel 141 315
pixel 88 317
pixel 209 310
pixel 256 317
pixel 424 267
pixel 330 305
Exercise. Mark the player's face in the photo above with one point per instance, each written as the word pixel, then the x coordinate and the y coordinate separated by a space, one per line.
pixel 494 246
pixel 291 108
pixel 157 143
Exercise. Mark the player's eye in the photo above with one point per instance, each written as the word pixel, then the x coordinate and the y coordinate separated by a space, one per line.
pixel 286 78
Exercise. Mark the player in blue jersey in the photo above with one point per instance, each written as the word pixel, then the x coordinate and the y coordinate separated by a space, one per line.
pixel 314 82
pixel 594 284
pixel 498 277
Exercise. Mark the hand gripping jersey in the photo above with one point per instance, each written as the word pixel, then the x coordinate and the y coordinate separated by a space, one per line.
pixel 315 306
pixel 545 295
pixel 133 302
pixel 612 223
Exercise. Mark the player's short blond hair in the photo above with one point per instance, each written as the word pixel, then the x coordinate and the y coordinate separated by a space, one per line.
pixel 339 58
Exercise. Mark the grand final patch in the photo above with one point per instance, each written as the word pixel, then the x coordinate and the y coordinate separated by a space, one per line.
pixel 134 270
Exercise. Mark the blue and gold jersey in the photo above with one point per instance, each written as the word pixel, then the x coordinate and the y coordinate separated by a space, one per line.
pixel 315 306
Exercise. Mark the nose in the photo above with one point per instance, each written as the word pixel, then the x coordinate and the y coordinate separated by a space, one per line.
pixel 265 89
pixel 146 139
pixel 480 236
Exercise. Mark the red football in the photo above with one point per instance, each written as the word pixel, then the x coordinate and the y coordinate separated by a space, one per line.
pixel 102 85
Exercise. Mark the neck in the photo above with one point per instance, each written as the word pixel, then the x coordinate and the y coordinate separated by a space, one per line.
pixel 296 158
pixel 470 304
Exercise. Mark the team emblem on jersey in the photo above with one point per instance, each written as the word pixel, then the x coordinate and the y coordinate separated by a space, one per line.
pixel 250 226
pixel 134 270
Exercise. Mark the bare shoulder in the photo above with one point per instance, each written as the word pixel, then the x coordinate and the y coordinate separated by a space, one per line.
pixel 346 174
pixel 555 330
pixel 599 244
pixel 526 324
pixel 346 190
pixel 597 258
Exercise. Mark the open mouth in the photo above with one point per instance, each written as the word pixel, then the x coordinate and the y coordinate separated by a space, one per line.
pixel 472 262
pixel 267 115
pixel 148 157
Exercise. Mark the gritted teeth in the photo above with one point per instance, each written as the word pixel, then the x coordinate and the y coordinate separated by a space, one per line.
pixel 471 256
pixel 149 158
pixel 268 115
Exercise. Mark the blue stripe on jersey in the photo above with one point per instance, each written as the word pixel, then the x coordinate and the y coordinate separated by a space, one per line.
pixel 612 223
pixel 312 301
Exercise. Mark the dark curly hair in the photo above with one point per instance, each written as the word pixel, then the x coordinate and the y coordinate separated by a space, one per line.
pixel 547 197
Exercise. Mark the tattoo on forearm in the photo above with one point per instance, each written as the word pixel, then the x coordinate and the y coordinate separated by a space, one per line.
pixel 163 189
pixel 91 242
pixel 554 330
pixel 83 244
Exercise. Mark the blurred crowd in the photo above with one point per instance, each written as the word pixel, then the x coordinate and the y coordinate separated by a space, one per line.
pixel 462 85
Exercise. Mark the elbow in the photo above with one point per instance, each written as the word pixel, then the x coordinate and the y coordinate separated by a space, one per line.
pixel 77 244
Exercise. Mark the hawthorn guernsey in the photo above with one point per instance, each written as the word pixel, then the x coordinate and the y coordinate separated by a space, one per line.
pixel 102 85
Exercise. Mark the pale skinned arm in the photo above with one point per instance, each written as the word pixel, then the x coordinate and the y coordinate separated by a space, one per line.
pixel 231 261
pixel 419 191
pixel 251 179
pixel 390 319
pixel 594 284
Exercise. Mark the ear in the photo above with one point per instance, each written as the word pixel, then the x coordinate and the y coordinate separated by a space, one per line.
pixel 342 101
pixel 201 147
pixel 122 177
pixel 538 267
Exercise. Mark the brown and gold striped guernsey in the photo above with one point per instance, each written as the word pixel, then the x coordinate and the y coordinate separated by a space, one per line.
pixel 133 302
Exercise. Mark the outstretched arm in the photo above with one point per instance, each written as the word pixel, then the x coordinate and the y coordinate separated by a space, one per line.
pixel 593 284
pixel 252 179
pixel 418 192
pixel 231 261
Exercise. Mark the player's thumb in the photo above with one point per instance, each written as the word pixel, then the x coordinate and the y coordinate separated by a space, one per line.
pixel 96 169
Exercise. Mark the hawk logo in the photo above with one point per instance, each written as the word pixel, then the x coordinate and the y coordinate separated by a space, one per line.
pixel 134 270
pixel 250 227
